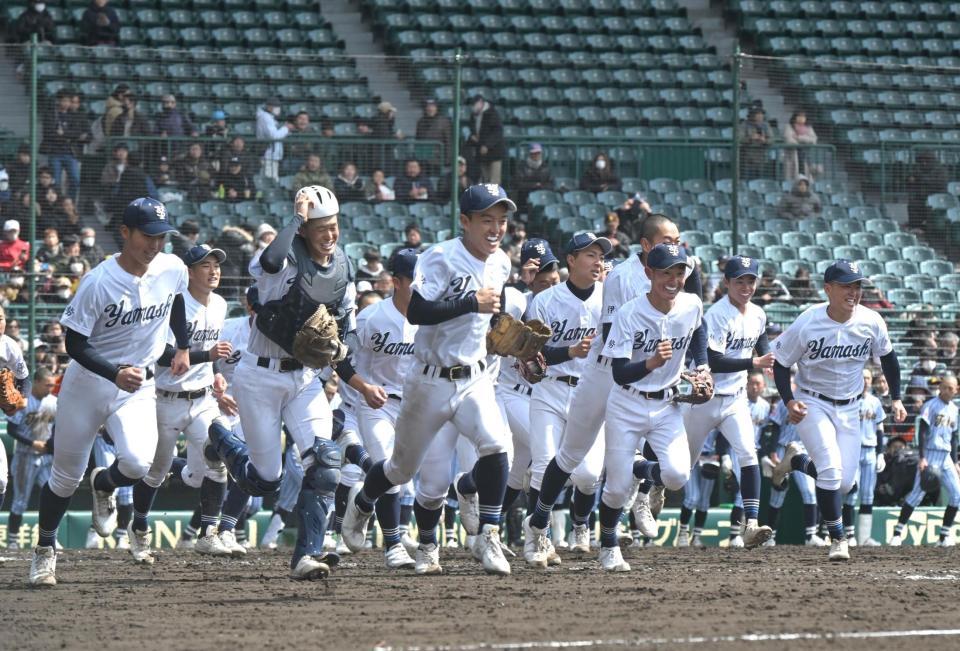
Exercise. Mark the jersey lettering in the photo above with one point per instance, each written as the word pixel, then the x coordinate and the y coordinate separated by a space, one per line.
pixel 740 343
pixel 382 345
pixel 116 315
pixel 643 342
pixel 203 335
pixel 818 349
pixel 458 288
pixel 561 333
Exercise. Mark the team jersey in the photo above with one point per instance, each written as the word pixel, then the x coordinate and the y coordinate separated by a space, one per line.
pixel 275 286
pixel 11 357
pixel 871 415
pixel 126 317
pixel 570 320
pixel 350 398
pixel 788 431
pixel 759 414
pixel 516 306
pixel 830 356
pixel 941 419
pixel 733 334
pixel 446 272
pixel 237 332
pixel 639 327
pixel 385 354
pixel 204 325
pixel 38 416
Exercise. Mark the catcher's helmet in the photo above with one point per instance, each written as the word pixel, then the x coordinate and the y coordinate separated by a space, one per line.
pixel 323 203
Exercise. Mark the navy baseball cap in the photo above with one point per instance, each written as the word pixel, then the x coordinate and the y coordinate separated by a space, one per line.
pixel 147 215
pixel 201 252
pixel 478 198
pixel 580 241
pixel 843 272
pixel 664 256
pixel 739 265
pixel 402 263
pixel 538 248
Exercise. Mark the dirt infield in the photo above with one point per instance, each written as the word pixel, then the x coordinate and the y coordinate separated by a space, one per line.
pixel 785 597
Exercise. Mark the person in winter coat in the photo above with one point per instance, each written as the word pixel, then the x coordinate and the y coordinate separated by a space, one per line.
pixel 100 24
pixel 800 202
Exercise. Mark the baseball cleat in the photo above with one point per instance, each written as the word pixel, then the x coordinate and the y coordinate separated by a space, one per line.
pixel 581 539
pixel 656 501
pixel 104 512
pixel 451 542
pixel 869 542
pixel 229 541
pixel 184 543
pixel 43 567
pixel 342 548
pixel 123 541
pixel 309 569
pixel 736 542
pixel 851 541
pixel 611 560
pixel 536 545
pixel 210 545
pixel 683 538
pixel 93 540
pixel 949 541
pixel 13 546
pixel 697 542
pixel 427 560
pixel 409 544
pixel 642 515
pixel 469 507
pixel 634 491
pixel 272 533
pixel 896 540
pixel 397 558
pixel 783 468
pixel 755 535
pixel 770 542
pixel 353 531
pixel 816 541
pixel 839 550
pixel 329 542
pixel 491 551
pixel 553 558
pixel 140 545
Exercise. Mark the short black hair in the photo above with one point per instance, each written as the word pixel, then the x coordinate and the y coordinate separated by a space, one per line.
pixel 412 226
pixel 652 225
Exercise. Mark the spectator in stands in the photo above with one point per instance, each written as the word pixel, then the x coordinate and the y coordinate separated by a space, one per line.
pixel 100 24
pixel 44 180
pixel 755 138
pixel 13 331
pixel 433 126
pixel 371 267
pixel 19 170
pixel 463 182
pixel 35 19
pixel 5 194
pixel 516 236
pixel 51 210
pixel 312 173
pixel 264 234
pixel 61 140
pixel 238 243
pixel 376 189
pixel 917 335
pixel 133 184
pixel 383 124
pixel 238 147
pixel 70 262
pixel 89 249
pixel 299 147
pixel 70 222
pixel 801 202
pixel 23 212
pixel 532 174
pixel 186 238
pixel 62 291
pixel 348 186
pixel 770 289
pixel 600 177
pixel 413 185
pixel 218 130
pixel 234 184
pixel 929 176
pixel 412 238
pixel 162 175
pixel 131 121
pixel 14 252
pixel 194 173
pixel 947 351
pixel 51 247
pixel 874 298
pixel 797 161
pixel 384 284
pixel 486 143
pixel 620 240
pixel 802 289
pixel 269 129
pixel 114 107
pixel 172 122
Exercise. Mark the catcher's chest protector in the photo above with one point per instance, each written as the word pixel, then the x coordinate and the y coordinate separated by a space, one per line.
pixel 280 319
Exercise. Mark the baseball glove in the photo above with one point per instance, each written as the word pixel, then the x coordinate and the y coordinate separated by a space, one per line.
pixel 11 400
pixel 512 338
pixel 533 369
pixel 317 344
pixel 701 388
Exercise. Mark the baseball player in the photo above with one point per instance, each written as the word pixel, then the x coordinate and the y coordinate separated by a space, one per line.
pixel 697 493
pixel 831 343
pixel 737 327
pixel 11 357
pixel 286 496
pixel 628 280
pixel 300 270
pixel 647 345
pixel 104 454
pixel 572 311
pixel 116 329
pixel 937 432
pixel 30 427
pixel 872 416
pixel 455 291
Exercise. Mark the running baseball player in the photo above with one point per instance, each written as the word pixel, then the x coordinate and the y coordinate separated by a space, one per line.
pixel 737 328
pixel 11 357
pixel 831 343
pixel 627 281
pixel 116 330
pixel 697 493
pixel 937 432
pixel 647 346
pixel 872 416
pixel 186 403
pixel 455 291
pixel 30 427
pixel 104 454
pixel 572 310
pixel 286 496
pixel 303 280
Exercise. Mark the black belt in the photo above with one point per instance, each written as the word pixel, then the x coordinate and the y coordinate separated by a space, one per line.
pixel 569 380
pixel 185 395
pixel 653 395
pixel 454 373
pixel 286 365
pixel 832 401
pixel 394 396
pixel 524 390
pixel 149 373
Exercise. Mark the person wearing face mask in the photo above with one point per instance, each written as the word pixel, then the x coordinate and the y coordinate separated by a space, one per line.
pixel 51 246
pixel 269 129
pixel 532 174
pixel 70 262
pixel 62 291
pixel 35 19
pixel 600 177
pixel 14 252
pixel 486 139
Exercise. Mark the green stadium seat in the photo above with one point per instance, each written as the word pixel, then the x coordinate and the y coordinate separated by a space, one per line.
pixel 937 268
pixel 918 253
pixel 797 239
pixel 832 239
pixel 903 297
pixel 920 282
pixel 866 239
pixel 882 253
pixel 938 296
pixel 779 253
pixel 886 282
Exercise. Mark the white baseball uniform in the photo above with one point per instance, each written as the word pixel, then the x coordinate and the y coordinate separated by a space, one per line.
pixel 830 357
pixel 350 400
pixel 645 409
pixel 126 319
pixel 185 403
pixel 11 357
pixel 236 331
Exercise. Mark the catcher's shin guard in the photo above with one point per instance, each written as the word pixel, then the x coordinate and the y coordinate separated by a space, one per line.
pixel 233 452
pixel 320 478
